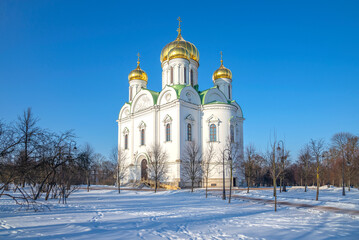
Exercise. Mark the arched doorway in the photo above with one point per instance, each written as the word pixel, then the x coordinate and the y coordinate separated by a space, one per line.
pixel 144 169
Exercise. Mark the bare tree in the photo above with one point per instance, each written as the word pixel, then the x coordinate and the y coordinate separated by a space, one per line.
pixel 28 131
pixel 192 163
pixel 235 156
pixel 342 143
pixel 305 161
pixel 352 149
pixel 8 139
pixel 119 156
pixel 317 149
pixel 208 164
pixel 157 164
pixel 86 158
pixel 249 164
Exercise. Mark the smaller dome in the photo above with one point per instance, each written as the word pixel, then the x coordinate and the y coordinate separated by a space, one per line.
pixel 222 72
pixel 178 52
pixel 137 73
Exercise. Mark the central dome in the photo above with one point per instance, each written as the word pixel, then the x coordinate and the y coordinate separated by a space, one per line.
pixel 180 43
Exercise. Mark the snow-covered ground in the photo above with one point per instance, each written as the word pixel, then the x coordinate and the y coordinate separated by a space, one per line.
pixel 104 214
pixel 329 197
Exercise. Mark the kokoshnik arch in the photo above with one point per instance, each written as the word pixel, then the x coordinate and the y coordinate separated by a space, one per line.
pixel 180 113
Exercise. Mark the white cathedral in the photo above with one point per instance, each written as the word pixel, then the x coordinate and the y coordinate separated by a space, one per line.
pixel 178 114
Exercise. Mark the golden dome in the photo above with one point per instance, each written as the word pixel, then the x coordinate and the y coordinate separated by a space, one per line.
pixel 178 52
pixel 180 42
pixel 137 73
pixel 222 72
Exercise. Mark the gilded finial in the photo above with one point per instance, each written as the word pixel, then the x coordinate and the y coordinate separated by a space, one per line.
pixel 221 58
pixel 138 60
pixel 179 37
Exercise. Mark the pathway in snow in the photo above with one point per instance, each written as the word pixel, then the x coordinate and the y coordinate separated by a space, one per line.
pixel 332 209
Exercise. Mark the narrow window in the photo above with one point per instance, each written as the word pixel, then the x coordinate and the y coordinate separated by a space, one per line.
pixel 191 80
pixel 142 136
pixel 168 132
pixel 232 133
pixel 171 75
pixel 126 141
pixel 185 71
pixel 189 132
pixel 212 133
pixel 229 92
pixel 130 93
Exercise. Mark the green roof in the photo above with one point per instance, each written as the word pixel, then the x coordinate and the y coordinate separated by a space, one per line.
pixel 178 88
pixel 154 95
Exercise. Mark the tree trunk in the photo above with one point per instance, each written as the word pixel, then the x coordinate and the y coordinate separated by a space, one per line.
pixel 230 187
pixel 206 186
pixel 119 185
pixel 318 184
pixel 349 184
pixel 248 185
pixel 275 192
pixel 155 186
pixel 192 185
pixel 280 184
pixel 88 183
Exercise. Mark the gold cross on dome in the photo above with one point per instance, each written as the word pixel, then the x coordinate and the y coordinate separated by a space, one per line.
pixel 138 59
pixel 179 29
pixel 179 22
pixel 221 58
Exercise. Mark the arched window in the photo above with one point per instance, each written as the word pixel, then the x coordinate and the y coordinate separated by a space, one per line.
pixel 185 74
pixel 191 80
pixel 212 133
pixel 142 136
pixel 232 133
pixel 229 91
pixel 130 93
pixel 168 132
pixel 126 141
pixel 171 75
pixel 189 132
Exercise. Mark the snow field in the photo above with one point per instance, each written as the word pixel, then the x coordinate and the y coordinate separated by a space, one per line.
pixel 104 214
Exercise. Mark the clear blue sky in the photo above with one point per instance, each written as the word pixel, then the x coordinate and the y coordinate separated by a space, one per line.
pixel 295 64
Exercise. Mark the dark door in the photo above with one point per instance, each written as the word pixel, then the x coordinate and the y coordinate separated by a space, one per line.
pixel 144 169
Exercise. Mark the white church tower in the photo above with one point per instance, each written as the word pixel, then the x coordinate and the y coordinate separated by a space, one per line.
pixel 179 114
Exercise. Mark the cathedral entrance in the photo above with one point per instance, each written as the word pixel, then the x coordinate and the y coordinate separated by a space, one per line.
pixel 144 169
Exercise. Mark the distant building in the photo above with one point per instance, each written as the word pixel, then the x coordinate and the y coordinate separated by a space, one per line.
pixel 178 114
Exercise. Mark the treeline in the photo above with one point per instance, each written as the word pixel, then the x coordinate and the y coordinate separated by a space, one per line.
pixel 318 163
pixel 36 162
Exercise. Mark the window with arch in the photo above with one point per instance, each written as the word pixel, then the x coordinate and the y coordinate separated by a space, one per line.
pixel 189 132
pixel 171 75
pixel 191 80
pixel 212 133
pixel 168 132
pixel 126 141
pixel 185 75
pixel 142 136
pixel 232 133
pixel 229 91
pixel 130 93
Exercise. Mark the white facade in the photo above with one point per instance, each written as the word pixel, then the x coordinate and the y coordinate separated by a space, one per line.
pixel 178 104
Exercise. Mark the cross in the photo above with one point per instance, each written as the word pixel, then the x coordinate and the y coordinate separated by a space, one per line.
pixel 138 59
pixel 221 58
pixel 179 22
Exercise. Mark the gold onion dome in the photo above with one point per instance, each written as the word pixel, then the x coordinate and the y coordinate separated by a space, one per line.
pixel 222 72
pixel 180 43
pixel 178 52
pixel 137 73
